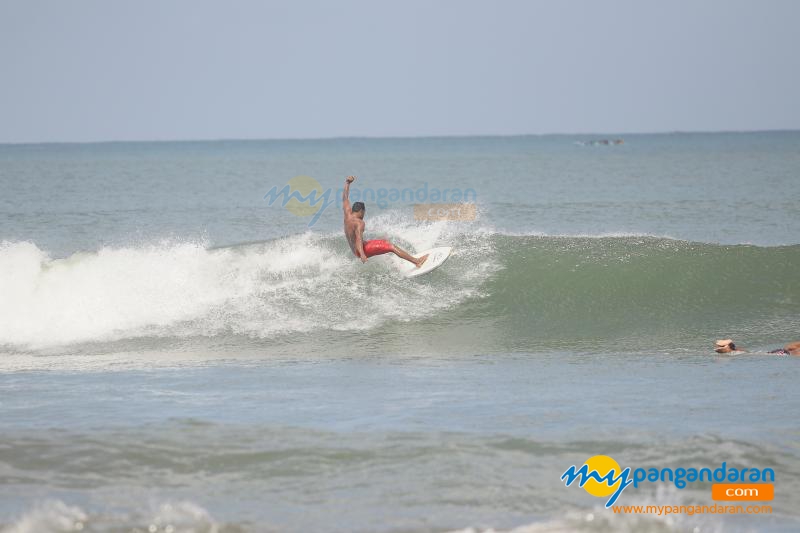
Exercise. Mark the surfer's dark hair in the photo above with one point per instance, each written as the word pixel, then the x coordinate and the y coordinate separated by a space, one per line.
pixel 358 206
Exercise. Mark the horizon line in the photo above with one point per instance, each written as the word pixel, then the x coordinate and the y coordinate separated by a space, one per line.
pixel 399 137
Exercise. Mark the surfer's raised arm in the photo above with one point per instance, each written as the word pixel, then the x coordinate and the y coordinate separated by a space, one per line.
pixel 346 195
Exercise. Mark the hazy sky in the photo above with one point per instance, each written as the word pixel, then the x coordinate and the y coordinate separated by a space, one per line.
pixel 123 70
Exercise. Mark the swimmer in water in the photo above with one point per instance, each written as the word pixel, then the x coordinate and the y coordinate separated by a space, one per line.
pixel 354 231
pixel 728 346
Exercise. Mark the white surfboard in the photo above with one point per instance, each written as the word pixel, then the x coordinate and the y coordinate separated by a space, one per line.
pixel 436 257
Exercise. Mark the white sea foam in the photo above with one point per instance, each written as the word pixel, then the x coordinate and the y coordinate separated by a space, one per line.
pixel 52 516
pixel 177 289
pixel 55 516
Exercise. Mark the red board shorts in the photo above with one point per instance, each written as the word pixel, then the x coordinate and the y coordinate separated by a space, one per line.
pixel 377 247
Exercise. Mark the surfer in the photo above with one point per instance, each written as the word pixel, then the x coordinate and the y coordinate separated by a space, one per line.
pixel 728 346
pixel 354 231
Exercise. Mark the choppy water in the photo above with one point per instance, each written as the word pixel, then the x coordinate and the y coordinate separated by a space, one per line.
pixel 174 353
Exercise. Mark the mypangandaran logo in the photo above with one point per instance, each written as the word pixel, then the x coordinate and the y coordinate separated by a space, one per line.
pixel 601 476
pixel 304 196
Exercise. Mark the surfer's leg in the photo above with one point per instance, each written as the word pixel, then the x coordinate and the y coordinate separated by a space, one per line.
pixel 402 254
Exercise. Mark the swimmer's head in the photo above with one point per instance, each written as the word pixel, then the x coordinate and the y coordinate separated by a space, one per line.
pixel 724 346
pixel 359 209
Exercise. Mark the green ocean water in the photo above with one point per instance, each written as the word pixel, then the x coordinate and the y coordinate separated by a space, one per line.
pixel 175 352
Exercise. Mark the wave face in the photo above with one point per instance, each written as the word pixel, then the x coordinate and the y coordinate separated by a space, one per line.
pixel 644 292
pixel 503 292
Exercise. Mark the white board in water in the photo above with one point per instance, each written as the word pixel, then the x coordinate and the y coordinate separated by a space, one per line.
pixel 436 256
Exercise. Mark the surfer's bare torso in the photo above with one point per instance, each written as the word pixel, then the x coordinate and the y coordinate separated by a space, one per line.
pixel 354 231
